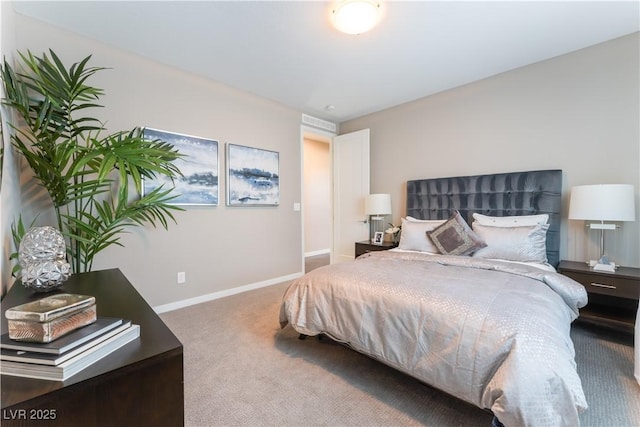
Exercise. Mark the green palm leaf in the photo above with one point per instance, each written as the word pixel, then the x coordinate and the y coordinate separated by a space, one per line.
pixel 86 172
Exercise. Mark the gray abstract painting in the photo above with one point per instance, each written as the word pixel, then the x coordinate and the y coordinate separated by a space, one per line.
pixel 252 176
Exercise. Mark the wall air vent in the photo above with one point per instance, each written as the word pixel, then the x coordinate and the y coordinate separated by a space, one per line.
pixel 319 123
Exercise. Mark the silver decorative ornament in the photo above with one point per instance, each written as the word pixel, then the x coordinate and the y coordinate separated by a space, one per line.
pixel 42 258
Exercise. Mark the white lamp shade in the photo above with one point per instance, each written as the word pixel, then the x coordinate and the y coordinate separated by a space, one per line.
pixel 604 202
pixel 378 204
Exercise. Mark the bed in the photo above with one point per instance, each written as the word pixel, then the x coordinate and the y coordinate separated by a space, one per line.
pixel 469 303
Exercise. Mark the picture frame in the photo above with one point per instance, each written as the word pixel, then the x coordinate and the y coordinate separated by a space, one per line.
pixel 378 238
pixel 253 176
pixel 199 166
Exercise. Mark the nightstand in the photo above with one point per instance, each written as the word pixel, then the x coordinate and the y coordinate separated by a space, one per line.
pixel 613 297
pixel 366 246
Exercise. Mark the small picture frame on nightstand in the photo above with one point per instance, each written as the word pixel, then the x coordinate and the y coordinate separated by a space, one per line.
pixel 378 238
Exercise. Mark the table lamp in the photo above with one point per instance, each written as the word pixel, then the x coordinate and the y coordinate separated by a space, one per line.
pixel 603 202
pixel 377 205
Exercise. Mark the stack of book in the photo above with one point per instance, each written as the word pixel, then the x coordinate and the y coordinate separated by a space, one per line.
pixel 68 355
pixel 57 336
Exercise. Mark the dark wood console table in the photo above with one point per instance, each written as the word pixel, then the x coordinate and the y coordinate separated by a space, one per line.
pixel 140 384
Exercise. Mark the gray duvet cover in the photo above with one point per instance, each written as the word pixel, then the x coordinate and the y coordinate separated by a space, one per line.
pixel 492 333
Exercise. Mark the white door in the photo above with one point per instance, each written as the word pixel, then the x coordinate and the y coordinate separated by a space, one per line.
pixel 350 155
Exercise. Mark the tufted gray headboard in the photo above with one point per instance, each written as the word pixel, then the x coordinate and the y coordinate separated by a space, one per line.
pixel 503 194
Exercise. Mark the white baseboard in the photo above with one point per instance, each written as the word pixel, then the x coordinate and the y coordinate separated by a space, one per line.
pixel 221 294
pixel 319 252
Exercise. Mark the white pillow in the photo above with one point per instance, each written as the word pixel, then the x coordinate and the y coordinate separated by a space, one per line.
pixel 523 244
pixel 511 221
pixel 430 221
pixel 413 236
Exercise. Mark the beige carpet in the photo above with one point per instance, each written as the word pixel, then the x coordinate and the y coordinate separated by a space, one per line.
pixel 242 370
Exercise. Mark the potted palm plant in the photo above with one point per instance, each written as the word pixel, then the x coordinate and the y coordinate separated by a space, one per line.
pixel 94 178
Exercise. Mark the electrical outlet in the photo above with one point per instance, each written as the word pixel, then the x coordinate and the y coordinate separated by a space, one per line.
pixel 182 277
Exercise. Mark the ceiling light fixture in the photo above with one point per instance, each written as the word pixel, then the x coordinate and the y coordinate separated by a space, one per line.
pixel 356 16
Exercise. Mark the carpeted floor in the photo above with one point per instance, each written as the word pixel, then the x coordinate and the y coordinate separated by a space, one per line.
pixel 241 369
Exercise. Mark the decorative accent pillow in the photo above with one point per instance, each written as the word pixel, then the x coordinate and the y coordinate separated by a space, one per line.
pixel 454 237
pixel 524 244
pixel 413 236
pixel 511 221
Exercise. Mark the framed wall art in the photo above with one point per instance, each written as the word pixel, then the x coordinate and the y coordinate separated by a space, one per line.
pixel 252 176
pixel 199 167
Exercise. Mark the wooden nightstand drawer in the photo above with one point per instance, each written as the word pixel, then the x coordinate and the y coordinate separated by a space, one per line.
pixel 366 246
pixel 613 296
pixel 607 285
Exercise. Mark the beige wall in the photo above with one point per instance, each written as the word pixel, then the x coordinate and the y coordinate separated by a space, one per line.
pixel 317 197
pixel 9 195
pixel 219 248
pixel 578 112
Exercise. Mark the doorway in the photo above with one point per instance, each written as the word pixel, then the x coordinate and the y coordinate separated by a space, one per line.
pixel 316 194
pixel 346 181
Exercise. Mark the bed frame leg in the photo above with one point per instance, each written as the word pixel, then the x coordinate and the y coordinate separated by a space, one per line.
pixel 304 337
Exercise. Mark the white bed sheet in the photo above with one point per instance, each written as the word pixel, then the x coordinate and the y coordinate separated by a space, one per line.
pixel 492 333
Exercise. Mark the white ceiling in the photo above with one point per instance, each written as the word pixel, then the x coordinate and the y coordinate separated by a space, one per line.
pixel 288 51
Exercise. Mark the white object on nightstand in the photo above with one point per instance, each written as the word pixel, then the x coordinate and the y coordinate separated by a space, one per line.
pixel 604 267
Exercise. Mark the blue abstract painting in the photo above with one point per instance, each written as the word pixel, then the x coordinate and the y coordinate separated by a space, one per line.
pixel 199 167
pixel 252 176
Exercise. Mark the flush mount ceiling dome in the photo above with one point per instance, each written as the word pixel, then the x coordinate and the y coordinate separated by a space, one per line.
pixel 356 16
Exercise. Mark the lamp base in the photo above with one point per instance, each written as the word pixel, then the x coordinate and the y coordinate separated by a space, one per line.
pixel 604 267
pixel 603 264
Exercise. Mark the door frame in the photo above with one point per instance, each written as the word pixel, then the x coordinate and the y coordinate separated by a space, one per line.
pixel 324 136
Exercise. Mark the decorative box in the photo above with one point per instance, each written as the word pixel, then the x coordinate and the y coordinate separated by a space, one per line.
pixel 50 318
